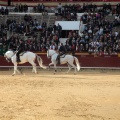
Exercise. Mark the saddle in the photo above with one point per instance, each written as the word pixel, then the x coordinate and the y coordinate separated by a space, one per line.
pixel 62 56
pixel 21 54
pixel 58 58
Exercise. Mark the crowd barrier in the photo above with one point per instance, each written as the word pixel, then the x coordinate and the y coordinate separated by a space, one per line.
pixel 86 61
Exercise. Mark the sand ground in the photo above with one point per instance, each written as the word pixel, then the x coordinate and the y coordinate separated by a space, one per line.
pixel 89 95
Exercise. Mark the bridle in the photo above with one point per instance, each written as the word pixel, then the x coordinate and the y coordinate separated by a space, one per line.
pixel 9 59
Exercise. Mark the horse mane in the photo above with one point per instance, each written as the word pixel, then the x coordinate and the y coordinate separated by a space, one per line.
pixel 52 50
pixel 12 50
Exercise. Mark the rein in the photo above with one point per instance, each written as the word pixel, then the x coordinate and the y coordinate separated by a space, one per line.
pixel 11 56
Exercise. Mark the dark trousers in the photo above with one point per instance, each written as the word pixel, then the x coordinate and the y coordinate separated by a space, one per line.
pixel 18 56
pixel 58 57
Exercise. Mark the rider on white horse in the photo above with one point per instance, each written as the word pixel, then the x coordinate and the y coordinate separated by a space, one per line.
pixel 28 56
pixel 21 48
pixel 67 59
pixel 62 50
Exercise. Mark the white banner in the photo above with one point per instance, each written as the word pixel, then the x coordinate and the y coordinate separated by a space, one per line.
pixel 63 40
pixel 68 25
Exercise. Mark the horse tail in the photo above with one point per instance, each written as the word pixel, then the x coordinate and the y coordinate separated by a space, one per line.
pixel 40 62
pixel 77 63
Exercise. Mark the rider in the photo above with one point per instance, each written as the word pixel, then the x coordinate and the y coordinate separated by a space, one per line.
pixel 62 51
pixel 20 49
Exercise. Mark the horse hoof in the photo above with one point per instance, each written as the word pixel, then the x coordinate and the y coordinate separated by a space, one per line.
pixel 12 74
pixel 74 73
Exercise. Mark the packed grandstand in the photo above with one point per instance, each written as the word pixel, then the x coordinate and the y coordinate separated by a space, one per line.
pixel 37 26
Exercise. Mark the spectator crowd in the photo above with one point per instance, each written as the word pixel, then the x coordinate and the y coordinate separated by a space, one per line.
pixel 97 35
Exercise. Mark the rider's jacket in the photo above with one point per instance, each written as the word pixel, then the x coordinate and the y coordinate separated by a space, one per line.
pixel 62 49
pixel 21 47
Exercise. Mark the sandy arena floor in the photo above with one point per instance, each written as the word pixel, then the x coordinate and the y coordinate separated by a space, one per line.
pixel 89 95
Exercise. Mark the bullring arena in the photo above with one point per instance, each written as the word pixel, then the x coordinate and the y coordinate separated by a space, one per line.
pixel 88 28
pixel 88 95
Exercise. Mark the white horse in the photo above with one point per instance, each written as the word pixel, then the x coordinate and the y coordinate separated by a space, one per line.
pixel 26 57
pixel 69 59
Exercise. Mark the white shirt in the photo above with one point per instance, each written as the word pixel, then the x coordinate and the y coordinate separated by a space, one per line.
pixel 52 47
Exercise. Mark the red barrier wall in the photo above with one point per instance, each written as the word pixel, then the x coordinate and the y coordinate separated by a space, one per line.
pixel 85 61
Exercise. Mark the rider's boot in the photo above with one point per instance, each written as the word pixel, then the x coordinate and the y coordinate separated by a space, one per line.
pixel 58 59
pixel 18 59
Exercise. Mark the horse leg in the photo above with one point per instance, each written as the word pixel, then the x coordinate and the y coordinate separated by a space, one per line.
pixel 18 71
pixel 50 65
pixel 69 67
pixel 15 69
pixel 33 70
pixel 34 66
pixel 55 68
pixel 73 67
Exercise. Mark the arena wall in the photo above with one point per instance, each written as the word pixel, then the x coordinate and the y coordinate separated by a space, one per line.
pixel 85 61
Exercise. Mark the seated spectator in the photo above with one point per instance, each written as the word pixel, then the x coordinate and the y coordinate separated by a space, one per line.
pixel 52 46
pixel 44 25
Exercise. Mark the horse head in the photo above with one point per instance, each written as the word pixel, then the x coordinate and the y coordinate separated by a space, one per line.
pixel 8 55
pixel 50 53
